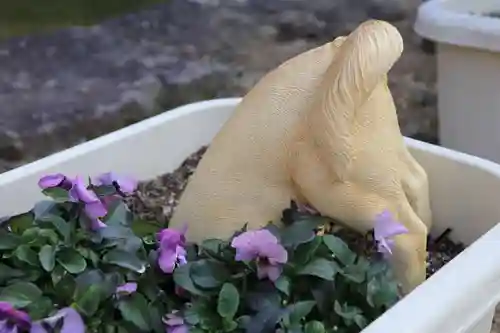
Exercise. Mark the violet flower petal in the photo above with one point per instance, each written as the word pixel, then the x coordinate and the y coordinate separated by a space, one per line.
pixel 18 317
pixel 126 184
pixel 6 327
pixel 385 226
pixel 170 238
pixel 268 271
pixel 167 260
pixel 36 328
pixel 275 253
pixel 53 180
pixel 95 210
pixel 127 288
pixel 174 320
pixel 253 239
pixel 181 253
pixel 96 224
pixel 80 191
pixel 73 322
pixel 245 255
pixel 180 329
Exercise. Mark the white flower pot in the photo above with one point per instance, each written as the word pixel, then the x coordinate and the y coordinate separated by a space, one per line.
pixel 468 65
pixel 465 193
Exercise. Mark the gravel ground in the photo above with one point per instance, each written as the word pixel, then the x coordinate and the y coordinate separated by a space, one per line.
pixel 61 88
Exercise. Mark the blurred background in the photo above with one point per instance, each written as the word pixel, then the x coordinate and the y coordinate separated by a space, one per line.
pixel 71 70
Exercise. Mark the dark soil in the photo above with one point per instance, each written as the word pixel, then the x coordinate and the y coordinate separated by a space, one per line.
pixel 155 200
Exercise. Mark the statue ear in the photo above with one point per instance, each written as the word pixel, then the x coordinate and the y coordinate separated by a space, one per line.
pixel 361 62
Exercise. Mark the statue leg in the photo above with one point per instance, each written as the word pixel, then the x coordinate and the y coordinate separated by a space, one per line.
pixel 358 208
pixel 415 184
pixel 410 250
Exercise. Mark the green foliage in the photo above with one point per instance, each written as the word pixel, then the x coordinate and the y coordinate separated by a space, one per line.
pixel 53 258
pixel 30 16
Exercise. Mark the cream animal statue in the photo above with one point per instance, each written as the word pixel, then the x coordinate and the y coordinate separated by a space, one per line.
pixel 320 129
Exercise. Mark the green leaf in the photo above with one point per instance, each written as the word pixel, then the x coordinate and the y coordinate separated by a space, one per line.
pixel 229 325
pixel 348 313
pixel 121 237
pixel 44 208
pixel 304 252
pixel 143 228
pixel 20 222
pixel 89 255
pixel 66 286
pixel 27 255
pixel 119 214
pixel 321 268
pixel 356 272
pixel 314 327
pixel 208 274
pixel 258 300
pixel 191 316
pixel 283 285
pixel 299 232
pixel 125 259
pixel 381 293
pixel 182 278
pixel 71 260
pixel 47 257
pixel 41 308
pixel 104 190
pixel 300 310
pixel 9 241
pixel 361 321
pixel 228 302
pixel 135 310
pixel 57 274
pixel 88 302
pixel 156 312
pixel 57 194
pixel 7 273
pixel 31 236
pixel 340 249
pixel 212 246
pixel 87 279
pixel 62 227
pixel 20 294
pixel 264 321
pixel 49 235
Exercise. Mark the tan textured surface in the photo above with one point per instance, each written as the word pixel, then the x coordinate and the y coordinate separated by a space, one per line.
pixel 321 129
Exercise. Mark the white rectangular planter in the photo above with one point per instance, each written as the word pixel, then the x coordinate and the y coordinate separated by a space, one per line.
pixel 468 65
pixel 465 193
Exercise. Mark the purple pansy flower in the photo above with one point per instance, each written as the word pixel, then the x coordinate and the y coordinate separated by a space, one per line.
pixel 72 322
pixel 127 288
pixel 385 228
pixel 263 246
pixel 55 180
pixel 175 323
pixel 124 184
pixel 171 248
pixel 12 320
pixel 94 207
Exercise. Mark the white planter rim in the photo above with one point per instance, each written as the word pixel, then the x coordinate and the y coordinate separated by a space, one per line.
pixel 443 21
